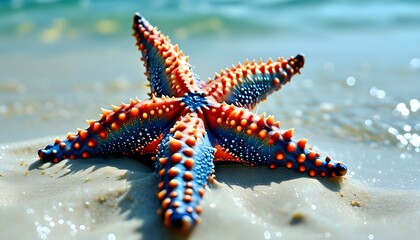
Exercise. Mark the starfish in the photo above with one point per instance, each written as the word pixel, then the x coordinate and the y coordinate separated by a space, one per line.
pixel 187 125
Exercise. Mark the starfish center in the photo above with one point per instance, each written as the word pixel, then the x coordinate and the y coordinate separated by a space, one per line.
pixel 195 100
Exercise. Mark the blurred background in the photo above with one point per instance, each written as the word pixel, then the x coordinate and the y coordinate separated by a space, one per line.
pixel 357 97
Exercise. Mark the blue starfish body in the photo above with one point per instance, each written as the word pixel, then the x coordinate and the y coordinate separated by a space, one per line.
pixel 188 125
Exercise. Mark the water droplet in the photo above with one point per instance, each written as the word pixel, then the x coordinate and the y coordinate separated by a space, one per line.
pixel 371 236
pixel 407 128
pixel 267 235
pixel 47 218
pixel 378 93
pixel 112 236
pixel 42 231
pixel 351 81
pixel 414 105
pixel 373 91
pixel 402 109
pixel 393 131
pixel 415 140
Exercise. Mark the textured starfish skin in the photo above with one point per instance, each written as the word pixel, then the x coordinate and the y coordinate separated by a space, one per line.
pixel 188 125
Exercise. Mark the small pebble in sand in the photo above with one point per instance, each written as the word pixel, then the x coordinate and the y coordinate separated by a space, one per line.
pixel 355 203
pixel 101 199
pixel 297 218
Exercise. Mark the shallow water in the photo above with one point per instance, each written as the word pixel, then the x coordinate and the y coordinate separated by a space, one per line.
pixel 357 98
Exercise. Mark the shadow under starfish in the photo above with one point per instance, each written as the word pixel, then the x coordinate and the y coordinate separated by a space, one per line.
pixel 188 125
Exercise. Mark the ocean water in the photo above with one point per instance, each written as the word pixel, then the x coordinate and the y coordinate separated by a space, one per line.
pixel 357 99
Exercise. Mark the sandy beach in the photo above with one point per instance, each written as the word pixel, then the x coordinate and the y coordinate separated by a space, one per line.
pixel 115 199
pixel 356 100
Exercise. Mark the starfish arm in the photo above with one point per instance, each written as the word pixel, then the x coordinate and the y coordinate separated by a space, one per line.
pixel 167 69
pixel 185 161
pixel 246 85
pixel 258 140
pixel 127 130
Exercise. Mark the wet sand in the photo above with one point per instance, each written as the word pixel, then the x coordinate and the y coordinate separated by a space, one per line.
pixel 107 198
